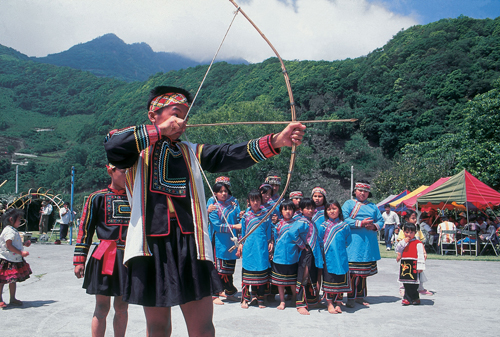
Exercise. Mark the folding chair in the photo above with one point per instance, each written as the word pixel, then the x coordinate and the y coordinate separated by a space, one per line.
pixel 56 229
pixel 471 244
pixel 428 241
pixel 491 241
pixel 451 241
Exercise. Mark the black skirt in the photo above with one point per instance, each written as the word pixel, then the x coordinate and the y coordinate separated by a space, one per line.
pixel 97 283
pixel 173 275
pixel 336 284
pixel 284 274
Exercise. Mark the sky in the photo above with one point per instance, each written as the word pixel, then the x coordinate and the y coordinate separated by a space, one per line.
pixel 298 29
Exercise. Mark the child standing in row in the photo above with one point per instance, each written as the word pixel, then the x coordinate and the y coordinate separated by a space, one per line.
pixel 13 267
pixel 286 254
pixel 255 251
pixel 411 254
pixel 296 197
pixel 224 220
pixel 304 231
pixel 336 236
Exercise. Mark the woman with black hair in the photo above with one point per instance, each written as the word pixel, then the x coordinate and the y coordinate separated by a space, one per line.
pixel 365 220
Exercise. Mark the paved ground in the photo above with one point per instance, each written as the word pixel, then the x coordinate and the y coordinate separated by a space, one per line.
pixel 465 303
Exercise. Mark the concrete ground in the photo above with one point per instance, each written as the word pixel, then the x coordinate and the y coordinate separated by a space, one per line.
pixel 465 303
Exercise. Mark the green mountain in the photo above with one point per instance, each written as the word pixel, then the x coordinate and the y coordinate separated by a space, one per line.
pixel 109 56
pixel 418 100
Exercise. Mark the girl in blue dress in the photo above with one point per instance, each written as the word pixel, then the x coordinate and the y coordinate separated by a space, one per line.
pixel 336 236
pixel 286 254
pixel 255 252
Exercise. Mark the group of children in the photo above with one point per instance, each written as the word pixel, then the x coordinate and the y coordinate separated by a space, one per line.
pixel 295 248
pixel 297 251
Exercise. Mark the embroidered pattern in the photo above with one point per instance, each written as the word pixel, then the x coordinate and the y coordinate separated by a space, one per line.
pixel 160 182
pixel 117 210
pixel 260 149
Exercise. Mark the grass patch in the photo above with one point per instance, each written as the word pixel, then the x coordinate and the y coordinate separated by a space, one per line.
pixel 39 276
pixel 433 256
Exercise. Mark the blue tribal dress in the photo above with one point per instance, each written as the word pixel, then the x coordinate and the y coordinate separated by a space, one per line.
pixel 222 221
pixel 311 258
pixel 336 236
pixel 286 255
pixel 255 253
pixel 363 252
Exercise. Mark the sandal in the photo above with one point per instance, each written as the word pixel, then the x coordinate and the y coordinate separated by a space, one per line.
pixel 3 305
pixel 16 303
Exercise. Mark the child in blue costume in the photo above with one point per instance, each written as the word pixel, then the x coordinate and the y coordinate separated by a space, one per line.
pixel 365 220
pixel 304 232
pixel 225 223
pixel 286 254
pixel 255 251
pixel 318 195
pixel 296 197
pixel 336 236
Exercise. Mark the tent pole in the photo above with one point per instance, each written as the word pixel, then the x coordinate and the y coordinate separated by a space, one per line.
pixel 467 209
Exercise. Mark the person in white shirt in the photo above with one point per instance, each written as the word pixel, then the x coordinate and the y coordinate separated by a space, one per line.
pixel 66 218
pixel 45 212
pixel 391 220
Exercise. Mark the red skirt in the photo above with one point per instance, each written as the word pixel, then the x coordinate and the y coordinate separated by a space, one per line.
pixel 11 272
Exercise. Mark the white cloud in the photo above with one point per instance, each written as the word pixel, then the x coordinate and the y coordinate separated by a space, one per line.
pixel 300 29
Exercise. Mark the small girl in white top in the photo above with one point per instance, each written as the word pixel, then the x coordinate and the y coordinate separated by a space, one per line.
pixel 13 267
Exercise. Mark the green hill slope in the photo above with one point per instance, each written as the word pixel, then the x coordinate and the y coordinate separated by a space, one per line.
pixel 411 91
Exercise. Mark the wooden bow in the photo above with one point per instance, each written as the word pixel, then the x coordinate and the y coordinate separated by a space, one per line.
pixel 294 118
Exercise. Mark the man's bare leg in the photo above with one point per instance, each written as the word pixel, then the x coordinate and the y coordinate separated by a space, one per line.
pixel 121 316
pixel 199 317
pixel 102 304
pixel 158 321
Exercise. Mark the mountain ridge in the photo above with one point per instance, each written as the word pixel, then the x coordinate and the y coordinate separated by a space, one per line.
pixel 110 56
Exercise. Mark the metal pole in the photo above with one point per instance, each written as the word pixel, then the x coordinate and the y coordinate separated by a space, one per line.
pixel 352 181
pixel 71 206
pixel 17 177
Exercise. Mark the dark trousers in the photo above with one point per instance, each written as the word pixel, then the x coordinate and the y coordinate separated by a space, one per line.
pixel 411 292
pixel 307 272
pixel 358 285
pixel 43 226
pixel 63 231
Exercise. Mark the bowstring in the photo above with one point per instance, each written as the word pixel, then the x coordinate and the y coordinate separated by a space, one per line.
pixel 212 191
pixel 186 117
pixel 211 63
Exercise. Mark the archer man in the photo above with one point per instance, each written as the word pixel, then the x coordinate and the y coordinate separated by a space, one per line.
pixel 168 252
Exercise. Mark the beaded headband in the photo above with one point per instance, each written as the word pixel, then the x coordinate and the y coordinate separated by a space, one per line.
pixel 362 187
pixel 167 99
pixel 318 190
pixel 224 180
pixel 273 180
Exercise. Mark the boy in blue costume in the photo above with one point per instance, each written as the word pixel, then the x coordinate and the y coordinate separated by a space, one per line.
pixel 305 233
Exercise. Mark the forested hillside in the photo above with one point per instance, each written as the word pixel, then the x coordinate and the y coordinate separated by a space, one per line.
pixel 426 103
